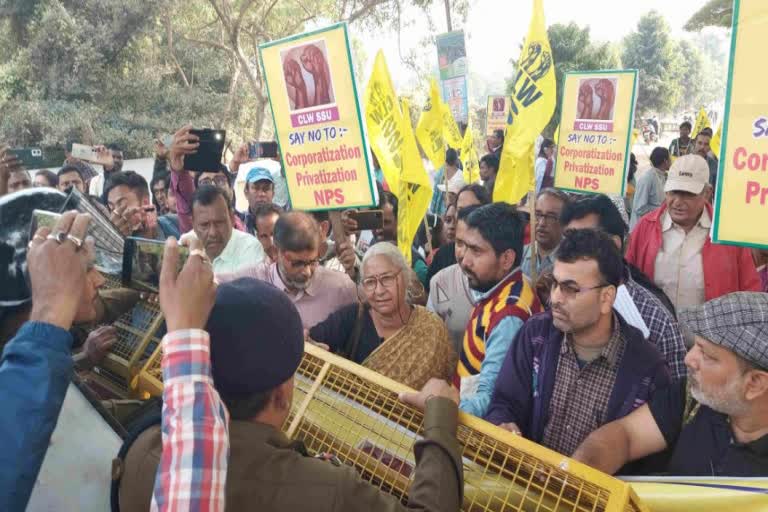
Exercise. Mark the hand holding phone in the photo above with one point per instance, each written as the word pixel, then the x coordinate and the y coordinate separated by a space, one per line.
pixel 186 297
pixel 94 154
pixel 210 147
pixel 368 219
pixel 142 263
pixel 184 143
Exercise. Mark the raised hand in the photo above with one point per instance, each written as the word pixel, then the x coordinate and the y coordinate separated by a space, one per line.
pixel 186 299
pixel 184 143
pixel 57 262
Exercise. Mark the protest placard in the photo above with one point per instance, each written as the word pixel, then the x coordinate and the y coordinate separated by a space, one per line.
pixel 596 114
pixel 318 122
pixel 496 114
pixel 741 197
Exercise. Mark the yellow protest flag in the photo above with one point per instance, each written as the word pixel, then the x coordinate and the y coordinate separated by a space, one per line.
pixel 635 134
pixel 556 137
pixel 429 130
pixel 714 144
pixel 469 155
pixel 702 121
pixel 415 189
pixel 384 122
pixel 391 138
pixel 531 107
pixel 451 132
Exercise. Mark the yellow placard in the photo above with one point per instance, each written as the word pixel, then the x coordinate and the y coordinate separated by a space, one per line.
pixel 742 180
pixel 496 114
pixel 595 129
pixel 318 121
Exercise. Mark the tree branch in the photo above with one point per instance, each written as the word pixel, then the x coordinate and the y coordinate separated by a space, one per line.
pixel 365 9
pixel 171 51
pixel 211 44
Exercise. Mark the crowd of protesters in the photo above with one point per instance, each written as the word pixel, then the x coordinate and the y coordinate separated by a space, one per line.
pixel 584 331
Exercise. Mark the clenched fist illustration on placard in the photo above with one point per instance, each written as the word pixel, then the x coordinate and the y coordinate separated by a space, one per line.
pixel 597 97
pixel 307 76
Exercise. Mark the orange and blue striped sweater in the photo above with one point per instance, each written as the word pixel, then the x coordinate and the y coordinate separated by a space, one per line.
pixel 494 322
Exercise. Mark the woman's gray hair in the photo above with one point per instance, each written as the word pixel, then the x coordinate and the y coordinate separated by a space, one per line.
pixel 413 287
pixel 387 250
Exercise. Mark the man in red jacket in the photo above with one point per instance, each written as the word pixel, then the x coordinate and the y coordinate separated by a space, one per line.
pixel 671 245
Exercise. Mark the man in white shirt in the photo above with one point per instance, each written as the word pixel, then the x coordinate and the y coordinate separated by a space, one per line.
pixel 230 250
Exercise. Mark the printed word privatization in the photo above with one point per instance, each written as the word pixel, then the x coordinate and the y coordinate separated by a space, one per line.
pixel 587 168
pixel 325 155
pixel 323 177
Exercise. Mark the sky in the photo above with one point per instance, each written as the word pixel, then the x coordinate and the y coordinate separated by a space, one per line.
pixel 495 28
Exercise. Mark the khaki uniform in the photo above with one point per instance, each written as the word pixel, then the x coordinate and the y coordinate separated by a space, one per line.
pixel 267 472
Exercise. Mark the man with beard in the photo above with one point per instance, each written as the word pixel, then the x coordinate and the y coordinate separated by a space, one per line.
pixel 728 376
pixel 579 365
pixel 488 249
pixel 702 148
pixel 131 209
pixel 316 291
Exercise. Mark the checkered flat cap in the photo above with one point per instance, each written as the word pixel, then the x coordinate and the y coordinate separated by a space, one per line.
pixel 737 321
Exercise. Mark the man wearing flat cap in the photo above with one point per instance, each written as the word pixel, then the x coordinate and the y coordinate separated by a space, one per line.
pixel 671 245
pixel 257 343
pixel 727 433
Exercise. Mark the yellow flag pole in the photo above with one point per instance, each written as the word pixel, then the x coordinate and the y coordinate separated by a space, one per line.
pixel 534 249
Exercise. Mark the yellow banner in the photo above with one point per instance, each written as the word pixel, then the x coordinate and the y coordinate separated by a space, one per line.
pixel 702 121
pixel 415 190
pixel 556 137
pixel 451 132
pixel 429 130
pixel 714 144
pixel 392 139
pixel 384 122
pixel 596 117
pixel 496 114
pixel 469 155
pixel 318 122
pixel 742 180
pixel 531 106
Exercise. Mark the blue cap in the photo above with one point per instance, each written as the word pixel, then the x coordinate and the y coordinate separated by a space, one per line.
pixel 259 174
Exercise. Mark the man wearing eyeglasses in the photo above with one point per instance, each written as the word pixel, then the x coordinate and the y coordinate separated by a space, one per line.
pixel 221 180
pixel 579 365
pixel 549 232
pixel 316 291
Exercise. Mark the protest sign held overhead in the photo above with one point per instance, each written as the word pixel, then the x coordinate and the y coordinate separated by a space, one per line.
pixel 596 117
pixel 742 180
pixel 452 61
pixel 532 103
pixel 318 122
pixel 496 114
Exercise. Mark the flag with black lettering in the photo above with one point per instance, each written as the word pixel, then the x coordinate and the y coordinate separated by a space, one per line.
pixel 532 104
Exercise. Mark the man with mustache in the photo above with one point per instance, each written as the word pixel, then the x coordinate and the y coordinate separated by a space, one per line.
pixel 228 249
pixel 671 245
pixel 549 205
pixel 579 365
pixel 728 377
pixel 489 243
pixel 315 290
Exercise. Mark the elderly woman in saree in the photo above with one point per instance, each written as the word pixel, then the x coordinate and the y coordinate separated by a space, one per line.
pixel 384 331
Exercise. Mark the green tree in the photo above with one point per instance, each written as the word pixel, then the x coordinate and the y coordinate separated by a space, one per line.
pixel 692 79
pixel 652 51
pixel 715 13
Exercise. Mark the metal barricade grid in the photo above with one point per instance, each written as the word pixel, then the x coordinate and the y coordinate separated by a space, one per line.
pixel 343 409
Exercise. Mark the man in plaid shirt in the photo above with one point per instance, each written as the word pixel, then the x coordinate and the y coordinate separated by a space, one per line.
pixel 661 327
pixel 193 466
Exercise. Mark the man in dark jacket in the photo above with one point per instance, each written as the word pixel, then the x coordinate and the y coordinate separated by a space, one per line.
pixel 580 365
pixel 254 376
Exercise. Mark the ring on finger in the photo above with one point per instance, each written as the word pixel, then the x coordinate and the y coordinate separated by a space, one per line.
pixel 201 253
pixel 75 240
pixel 59 237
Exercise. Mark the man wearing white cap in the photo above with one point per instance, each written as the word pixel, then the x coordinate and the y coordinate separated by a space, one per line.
pixel 671 245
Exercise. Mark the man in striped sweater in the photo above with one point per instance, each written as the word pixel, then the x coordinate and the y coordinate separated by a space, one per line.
pixel 489 245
